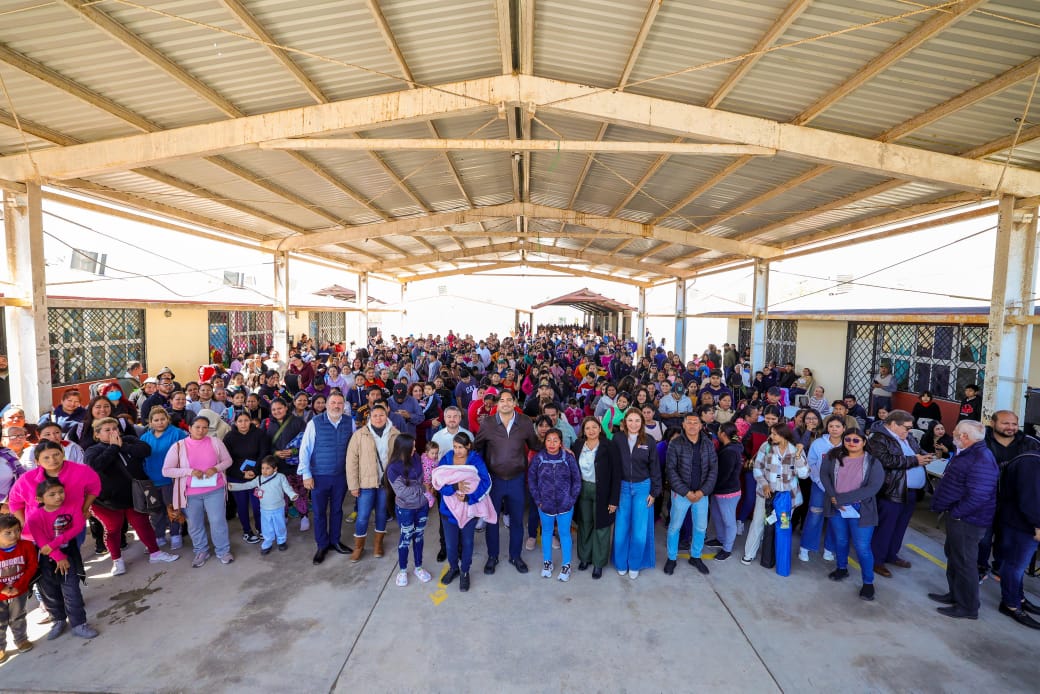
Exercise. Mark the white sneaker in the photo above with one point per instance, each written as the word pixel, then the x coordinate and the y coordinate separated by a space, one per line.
pixel 505 519
pixel 402 578
pixel 305 524
pixel 422 574
pixel 118 567
pixel 547 569
pixel 803 554
pixel 622 572
pixel 226 558
pixel 828 555
pixel 160 557
pixel 633 574
pixel 565 573
pixel 176 542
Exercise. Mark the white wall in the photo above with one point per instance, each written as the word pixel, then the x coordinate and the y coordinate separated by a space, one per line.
pixel 822 348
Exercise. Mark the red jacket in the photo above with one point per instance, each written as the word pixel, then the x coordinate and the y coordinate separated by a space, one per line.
pixel 17 567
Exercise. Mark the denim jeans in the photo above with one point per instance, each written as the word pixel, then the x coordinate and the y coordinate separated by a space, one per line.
pixel 1017 550
pixel 512 491
pixel 244 501
pixel 724 517
pixel 453 535
pixel 633 528
pixel 370 500
pixel 160 519
pixel 209 505
pixel 991 543
pixel 814 524
pixel 272 526
pixel 563 521
pixel 413 527
pixel 848 531
pixel 680 505
pixel 327 500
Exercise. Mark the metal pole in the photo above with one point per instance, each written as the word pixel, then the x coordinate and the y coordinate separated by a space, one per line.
pixel 280 319
pixel 758 314
pixel 680 318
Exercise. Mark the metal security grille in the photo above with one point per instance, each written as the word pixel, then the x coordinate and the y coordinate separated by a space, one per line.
pixel 329 325
pixel 240 332
pixel 939 358
pixel 781 339
pixel 88 344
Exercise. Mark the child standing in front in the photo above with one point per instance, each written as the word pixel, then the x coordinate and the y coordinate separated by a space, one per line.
pixel 17 568
pixel 405 473
pixel 271 487
pixel 430 457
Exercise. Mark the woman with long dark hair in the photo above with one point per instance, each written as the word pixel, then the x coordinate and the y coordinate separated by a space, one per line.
pixel 640 485
pixel 726 495
pixel 600 493
pixel 405 474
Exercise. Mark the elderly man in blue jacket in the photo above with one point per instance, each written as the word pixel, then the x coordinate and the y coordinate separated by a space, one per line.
pixel 968 494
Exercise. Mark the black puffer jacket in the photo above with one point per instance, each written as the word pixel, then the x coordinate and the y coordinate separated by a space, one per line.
pixel 678 465
pixel 889 453
pixel 115 465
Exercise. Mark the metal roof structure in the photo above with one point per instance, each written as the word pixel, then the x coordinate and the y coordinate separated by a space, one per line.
pixel 588 301
pixel 631 140
pixel 335 291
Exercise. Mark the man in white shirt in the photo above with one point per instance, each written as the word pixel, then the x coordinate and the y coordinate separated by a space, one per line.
pixel 323 455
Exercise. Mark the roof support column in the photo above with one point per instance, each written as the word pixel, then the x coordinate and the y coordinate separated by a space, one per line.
pixel 680 318
pixel 26 316
pixel 280 318
pixel 1010 341
pixel 362 297
pixel 641 321
pixel 759 309
pixel 404 309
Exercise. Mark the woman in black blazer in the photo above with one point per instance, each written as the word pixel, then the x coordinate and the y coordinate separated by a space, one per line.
pixel 600 490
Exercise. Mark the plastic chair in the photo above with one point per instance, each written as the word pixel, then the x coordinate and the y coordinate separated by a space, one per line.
pixel 917 434
pixel 924 422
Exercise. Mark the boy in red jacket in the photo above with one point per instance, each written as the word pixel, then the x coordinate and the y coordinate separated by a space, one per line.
pixel 17 567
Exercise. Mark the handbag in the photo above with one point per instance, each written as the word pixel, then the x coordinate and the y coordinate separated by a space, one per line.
pixel 145 496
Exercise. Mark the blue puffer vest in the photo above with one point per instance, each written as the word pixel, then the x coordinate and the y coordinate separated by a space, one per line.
pixel 329 456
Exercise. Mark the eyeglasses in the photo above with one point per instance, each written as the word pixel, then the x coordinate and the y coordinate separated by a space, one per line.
pixel 853 439
pixel 907 425
pixel 14 437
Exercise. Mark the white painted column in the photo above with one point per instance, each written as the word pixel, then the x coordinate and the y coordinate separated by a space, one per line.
pixel 404 309
pixel 280 318
pixel 25 315
pixel 362 298
pixel 1010 340
pixel 680 319
pixel 759 309
pixel 641 321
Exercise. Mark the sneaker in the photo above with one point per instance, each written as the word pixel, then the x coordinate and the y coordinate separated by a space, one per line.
pixel 100 550
pixel 402 578
pixel 84 631
pixel 176 542
pixel 529 544
pixel 828 555
pixel 505 519
pixel 740 527
pixel 555 542
pixel 722 555
pixel 713 543
pixel 199 559
pixel 867 592
pixel 264 551
pixel 838 574
pixel 305 524
pixel 118 567
pixel 547 569
pixel 282 546
pixel 161 541
pixel 565 573
pixel 161 557
pixel 352 517
pixel 56 630
pixel 251 538
pixel 24 646
pixel 633 574
pixel 226 558
pixel 698 563
pixel 803 554
pixel 622 572
pixel 746 561
pixel 422 574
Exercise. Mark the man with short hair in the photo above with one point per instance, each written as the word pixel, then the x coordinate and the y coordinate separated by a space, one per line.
pixel 857 411
pixel 464 388
pixel 407 408
pixel 131 380
pixel 715 386
pixel 967 493
pixel 323 455
pixel 552 411
pixel 787 375
pixel 160 398
pixel 673 405
pixel 452 426
pixel 904 463
pixel 504 441
pixel 1018 509
pixel 691 467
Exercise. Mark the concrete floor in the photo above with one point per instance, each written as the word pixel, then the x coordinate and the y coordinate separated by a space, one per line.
pixel 278 623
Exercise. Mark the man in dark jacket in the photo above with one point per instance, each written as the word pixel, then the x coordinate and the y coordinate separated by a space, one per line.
pixel 1018 507
pixel 968 495
pixel 504 441
pixel 905 477
pixel 691 466
pixel 1006 442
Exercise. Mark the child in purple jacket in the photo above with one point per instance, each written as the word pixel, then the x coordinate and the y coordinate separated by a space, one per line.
pixel 555 481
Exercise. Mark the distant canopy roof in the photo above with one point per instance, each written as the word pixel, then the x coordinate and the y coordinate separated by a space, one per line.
pixel 587 301
pixel 344 294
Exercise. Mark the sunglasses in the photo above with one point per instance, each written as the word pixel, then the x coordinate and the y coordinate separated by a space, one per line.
pixel 853 439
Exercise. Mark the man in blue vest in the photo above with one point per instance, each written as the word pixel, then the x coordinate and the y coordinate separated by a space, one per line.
pixel 323 467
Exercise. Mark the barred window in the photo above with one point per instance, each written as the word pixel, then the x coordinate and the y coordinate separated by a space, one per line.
pixel 328 325
pixel 235 332
pixel 781 339
pixel 922 356
pixel 89 344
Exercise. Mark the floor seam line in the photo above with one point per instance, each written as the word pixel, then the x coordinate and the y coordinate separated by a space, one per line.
pixel 745 635
pixel 361 631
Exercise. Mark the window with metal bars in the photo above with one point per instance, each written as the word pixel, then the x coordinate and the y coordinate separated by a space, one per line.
pixel 328 326
pixel 240 332
pixel 781 339
pixel 922 356
pixel 89 344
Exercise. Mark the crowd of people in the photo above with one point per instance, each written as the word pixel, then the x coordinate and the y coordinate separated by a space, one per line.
pixel 546 434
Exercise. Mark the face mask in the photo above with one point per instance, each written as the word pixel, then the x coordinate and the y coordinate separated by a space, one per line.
pixel 114 395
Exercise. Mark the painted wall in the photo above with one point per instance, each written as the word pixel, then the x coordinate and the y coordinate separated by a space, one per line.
pixel 821 348
pixel 180 342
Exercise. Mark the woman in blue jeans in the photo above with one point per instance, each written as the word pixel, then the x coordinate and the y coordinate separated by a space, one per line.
pixel 368 454
pixel 851 478
pixel 834 428
pixel 405 474
pixel 640 485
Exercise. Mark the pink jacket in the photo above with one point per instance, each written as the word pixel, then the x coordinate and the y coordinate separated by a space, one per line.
pixel 43 526
pixel 464 512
